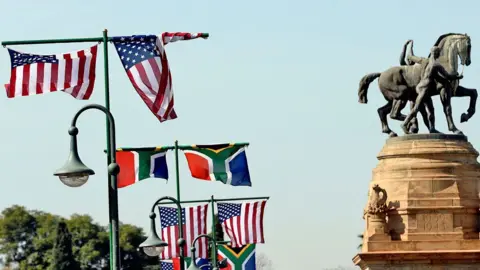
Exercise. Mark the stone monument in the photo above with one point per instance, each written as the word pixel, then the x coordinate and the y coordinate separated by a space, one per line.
pixel 423 206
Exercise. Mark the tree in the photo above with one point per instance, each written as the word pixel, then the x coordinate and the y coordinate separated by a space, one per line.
pixel 27 240
pixel 263 262
pixel 17 230
pixel 63 258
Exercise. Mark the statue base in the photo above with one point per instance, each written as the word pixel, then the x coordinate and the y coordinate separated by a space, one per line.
pixel 433 183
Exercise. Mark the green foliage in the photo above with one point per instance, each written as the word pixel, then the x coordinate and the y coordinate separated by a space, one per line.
pixel 63 258
pixel 29 240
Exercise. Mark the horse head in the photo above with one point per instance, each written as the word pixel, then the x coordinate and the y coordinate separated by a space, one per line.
pixel 456 45
pixel 464 47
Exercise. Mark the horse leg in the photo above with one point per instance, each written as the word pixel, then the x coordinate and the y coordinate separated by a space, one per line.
pixel 382 113
pixel 445 97
pixel 421 91
pixel 398 106
pixel 412 126
pixel 429 115
pixel 467 92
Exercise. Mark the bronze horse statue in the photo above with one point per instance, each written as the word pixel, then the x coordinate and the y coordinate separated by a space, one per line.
pixel 398 84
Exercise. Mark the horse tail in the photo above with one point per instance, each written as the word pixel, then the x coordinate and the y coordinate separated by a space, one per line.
pixel 363 86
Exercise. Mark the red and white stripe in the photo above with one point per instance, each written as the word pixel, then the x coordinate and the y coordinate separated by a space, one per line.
pixel 248 227
pixel 195 224
pixel 169 37
pixel 74 74
pixel 153 81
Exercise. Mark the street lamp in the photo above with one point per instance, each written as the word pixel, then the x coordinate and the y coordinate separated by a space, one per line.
pixel 153 246
pixel 216 265
pixel 74 174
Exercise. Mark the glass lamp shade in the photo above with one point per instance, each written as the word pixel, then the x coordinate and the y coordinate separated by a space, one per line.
pixel 74 173
pixel 74 179
pixel 151 251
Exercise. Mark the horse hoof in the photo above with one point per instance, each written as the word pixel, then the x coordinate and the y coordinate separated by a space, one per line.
pixel 413 130
pixel 458 132
pixel 463 118
pixel 392 134
pixel 405 129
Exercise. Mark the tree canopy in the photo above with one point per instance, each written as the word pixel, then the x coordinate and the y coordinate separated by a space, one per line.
pixel 37 240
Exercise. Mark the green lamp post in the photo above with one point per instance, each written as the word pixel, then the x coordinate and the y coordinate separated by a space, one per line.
pixel 153 246
pixel 75 174
pixel 217 265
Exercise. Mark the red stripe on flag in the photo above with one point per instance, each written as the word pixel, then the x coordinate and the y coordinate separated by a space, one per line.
pixel 40 77
pixel 127 175
pixel 54 78
pixel 91 74
pixel 25 80
pixel 254 224
pixel 163 83
pixel 11 87
pixel 262 212
pixel 246 223
pixel 68 71
pixel 81 73
pixel 198 165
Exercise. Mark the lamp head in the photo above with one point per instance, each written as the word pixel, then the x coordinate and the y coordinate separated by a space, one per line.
pixel 74 173
pixel 153 246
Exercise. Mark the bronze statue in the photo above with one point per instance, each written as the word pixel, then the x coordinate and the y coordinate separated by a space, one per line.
pixel 434 74
pixel 398 86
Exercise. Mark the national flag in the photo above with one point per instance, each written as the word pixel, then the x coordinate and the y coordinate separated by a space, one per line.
pixel 33 74
pixel 194 223
pixel 137 165
pixel 242 222
pixel 226 163
pixel 174 264
pixel 169 37
pixel 145 61
pixel 242 258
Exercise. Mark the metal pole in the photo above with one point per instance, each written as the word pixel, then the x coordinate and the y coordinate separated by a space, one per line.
pixel 180 226
pixel 214 237
pixel 221 200
pixel 112 183
pixel 179 210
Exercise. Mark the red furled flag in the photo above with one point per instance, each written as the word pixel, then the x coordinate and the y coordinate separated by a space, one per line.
pixel 146 64
pixel 194 221
pixel 73 73
pixel 243 222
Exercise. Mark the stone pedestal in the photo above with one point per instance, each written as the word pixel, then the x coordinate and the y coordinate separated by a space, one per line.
pixel 432 182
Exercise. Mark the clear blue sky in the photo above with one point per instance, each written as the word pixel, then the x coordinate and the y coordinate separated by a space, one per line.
pixel 282 75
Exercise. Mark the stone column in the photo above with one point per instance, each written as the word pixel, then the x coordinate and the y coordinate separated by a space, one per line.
pixel 432 181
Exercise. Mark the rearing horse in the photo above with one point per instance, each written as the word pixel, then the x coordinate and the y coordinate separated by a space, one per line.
pixel 451 60
pixel 399 82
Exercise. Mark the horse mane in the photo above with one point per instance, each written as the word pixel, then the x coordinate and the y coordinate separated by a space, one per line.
pixel 441 40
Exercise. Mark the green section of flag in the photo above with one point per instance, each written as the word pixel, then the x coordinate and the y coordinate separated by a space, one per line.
pixel 218 153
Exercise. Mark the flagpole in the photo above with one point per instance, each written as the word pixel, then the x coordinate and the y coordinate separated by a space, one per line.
pixel 214 237
pixel 179 211
pixel 112 183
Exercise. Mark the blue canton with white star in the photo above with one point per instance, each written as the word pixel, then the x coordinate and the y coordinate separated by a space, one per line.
pixel 135 49
pixel 166 265
pixel 228 210
pixel 169 217
pixel 20 59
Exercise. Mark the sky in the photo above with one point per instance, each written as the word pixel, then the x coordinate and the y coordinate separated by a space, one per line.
pixel 282 75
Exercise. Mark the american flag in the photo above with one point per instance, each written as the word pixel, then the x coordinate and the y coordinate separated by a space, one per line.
pixel 243 222
pixel 174 264
pixel 33 74
pixel 194 221
pixel 146 64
